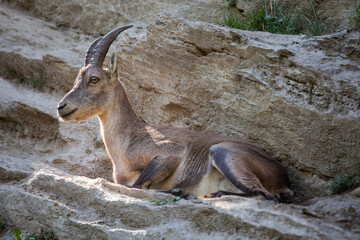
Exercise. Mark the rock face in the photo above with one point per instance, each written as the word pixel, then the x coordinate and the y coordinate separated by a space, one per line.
pixel 291 95
pixel 95 18
pixel 297 97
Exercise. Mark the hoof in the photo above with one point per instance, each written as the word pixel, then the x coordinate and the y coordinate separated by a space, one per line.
pixel 178 193
pixel 213 195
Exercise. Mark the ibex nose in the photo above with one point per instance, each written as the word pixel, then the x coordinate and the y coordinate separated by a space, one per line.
pixel 61 106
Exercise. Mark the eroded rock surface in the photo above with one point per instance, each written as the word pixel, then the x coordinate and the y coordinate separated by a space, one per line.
pixel 296 97
pixel 104 210
pixel 93 17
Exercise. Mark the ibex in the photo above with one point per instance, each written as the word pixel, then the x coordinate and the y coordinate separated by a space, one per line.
pixel 166 158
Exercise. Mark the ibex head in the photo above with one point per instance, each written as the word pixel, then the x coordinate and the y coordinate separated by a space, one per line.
pixel 92 90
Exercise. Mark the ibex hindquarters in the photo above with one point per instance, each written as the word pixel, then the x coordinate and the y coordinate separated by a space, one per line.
pixel 163 158
pixel 209 164
pixel 251 170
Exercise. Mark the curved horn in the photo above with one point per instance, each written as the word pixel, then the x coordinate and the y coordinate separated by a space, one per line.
pixel 90 51
pixel 103 47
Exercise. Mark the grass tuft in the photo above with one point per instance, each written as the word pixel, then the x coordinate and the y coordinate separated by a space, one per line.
pixel 270 17
pixel 18 235
pixel 35 82
pixel 38 83
pixel 164 202
pixel 2 223
pixel 274 20
pixel 355 18
pixel 316 25
pixel 343 183
pixel 234 22
pixel 231 3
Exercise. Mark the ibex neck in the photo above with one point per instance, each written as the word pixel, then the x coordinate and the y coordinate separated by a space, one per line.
pixel 119 121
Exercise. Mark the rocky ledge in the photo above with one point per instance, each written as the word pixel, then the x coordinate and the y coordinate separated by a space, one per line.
pixel 297 97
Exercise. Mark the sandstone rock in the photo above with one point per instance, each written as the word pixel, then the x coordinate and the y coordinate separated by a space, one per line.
pixel 57 177
pixel 94 17
pixel 81 208
pixel 290 95
pixel 34 50
pixel 32 138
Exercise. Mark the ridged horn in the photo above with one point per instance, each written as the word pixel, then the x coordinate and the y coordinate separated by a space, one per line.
pixel 90 51
pixel 103 46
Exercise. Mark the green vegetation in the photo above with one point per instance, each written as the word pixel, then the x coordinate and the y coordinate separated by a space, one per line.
pixel 38 83
pixel 355 18
pixel 311 93
pixel 270 17
pixel 316 25
pixel 18 235
pixel 2 223
pixel 97 142
pixel 343 183
pixel 163 202
pixel 274 20
pixel 231 3
pixel 23 236
pixel 35 82
pixel 234 22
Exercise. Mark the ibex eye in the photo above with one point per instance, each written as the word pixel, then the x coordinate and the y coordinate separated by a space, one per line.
pixel 94 80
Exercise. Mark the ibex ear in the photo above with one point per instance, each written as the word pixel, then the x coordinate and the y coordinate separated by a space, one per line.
pixel 112 66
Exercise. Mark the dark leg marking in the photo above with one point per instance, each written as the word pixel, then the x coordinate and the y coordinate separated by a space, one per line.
pixel 224 193
pixel 177 192
pixel 157 170
pixel 220 155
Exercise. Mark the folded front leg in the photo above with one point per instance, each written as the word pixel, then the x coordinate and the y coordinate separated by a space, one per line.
pixel 157 170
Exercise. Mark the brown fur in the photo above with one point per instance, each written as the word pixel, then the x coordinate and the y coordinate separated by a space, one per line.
pixel 164 158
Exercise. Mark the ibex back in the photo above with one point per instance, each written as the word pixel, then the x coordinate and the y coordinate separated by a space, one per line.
pixel 165 158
